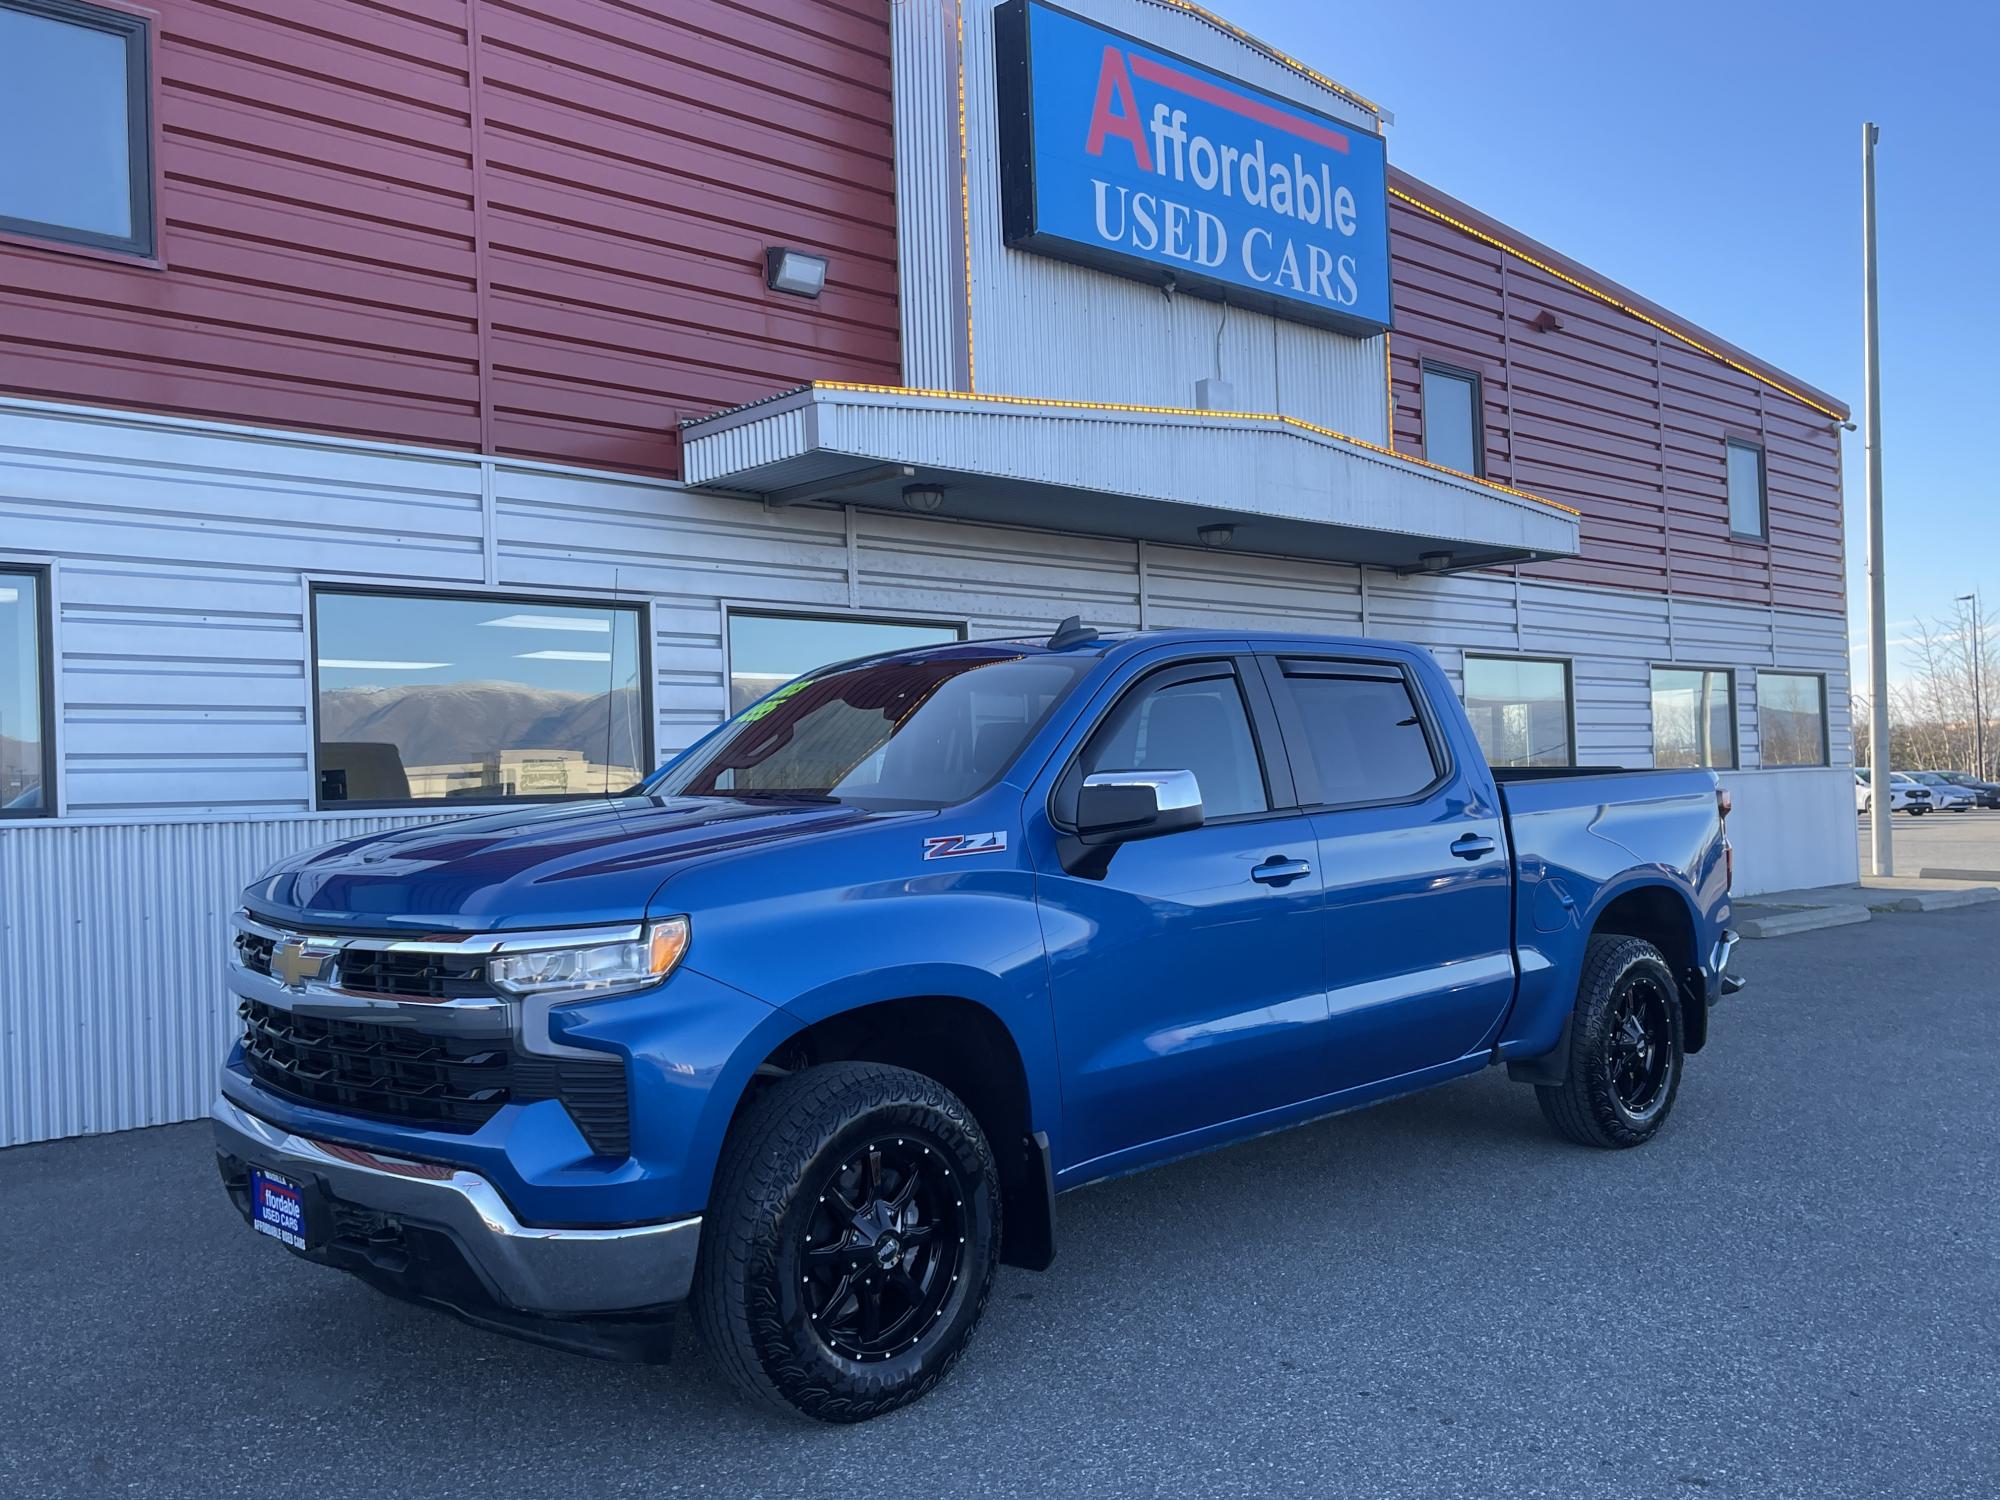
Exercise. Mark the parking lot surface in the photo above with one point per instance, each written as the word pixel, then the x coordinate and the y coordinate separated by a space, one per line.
pixel 1967 841
pixel 1794 1290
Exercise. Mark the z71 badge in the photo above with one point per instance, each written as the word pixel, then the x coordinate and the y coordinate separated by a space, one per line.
pixel 950 845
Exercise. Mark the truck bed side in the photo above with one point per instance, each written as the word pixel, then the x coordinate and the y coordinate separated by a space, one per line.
pixel 1627 851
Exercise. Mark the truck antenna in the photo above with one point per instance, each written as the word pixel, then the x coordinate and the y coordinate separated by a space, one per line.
pixel 1072 632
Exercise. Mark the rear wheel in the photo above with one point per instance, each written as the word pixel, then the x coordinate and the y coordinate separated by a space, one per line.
pixel 851 1242
pixel 1626 1048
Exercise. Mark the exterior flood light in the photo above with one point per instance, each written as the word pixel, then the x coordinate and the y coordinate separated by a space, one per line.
pixel 1434 562
pixel 1216 536
pixel 923 498
pixel 795 271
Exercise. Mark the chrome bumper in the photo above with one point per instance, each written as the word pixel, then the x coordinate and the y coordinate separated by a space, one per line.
pixel 550 1273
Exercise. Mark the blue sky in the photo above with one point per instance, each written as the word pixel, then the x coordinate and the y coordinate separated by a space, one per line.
pixel 1708 156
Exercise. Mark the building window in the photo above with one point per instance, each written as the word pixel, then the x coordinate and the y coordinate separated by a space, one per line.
pixel 1694 718
pixel 1746 489
pixel 1454 420
pixel 27 746
pixel 76 166
pixel 1791 719
pixel 434 697
pixel 768 651
pixel 1521 710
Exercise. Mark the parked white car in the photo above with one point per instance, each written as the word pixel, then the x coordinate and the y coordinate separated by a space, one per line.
pixel 1905 795
pixel 1946 794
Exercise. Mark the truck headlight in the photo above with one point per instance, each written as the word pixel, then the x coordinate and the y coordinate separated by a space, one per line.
pixel 594 964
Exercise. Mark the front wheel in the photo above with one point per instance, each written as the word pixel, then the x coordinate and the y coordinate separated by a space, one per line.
pixel 851 1241
pixel 1625 1051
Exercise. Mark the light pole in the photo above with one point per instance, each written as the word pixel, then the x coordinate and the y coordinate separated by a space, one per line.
pixel 1975 648
pixel 1878 629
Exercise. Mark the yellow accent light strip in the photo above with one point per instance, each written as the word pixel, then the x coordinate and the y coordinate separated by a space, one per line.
pixel 1604 296
pixel 1061 404
pixel 965 199
pixel 1283 59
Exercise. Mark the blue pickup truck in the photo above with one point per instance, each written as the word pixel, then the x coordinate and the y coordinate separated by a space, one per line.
pixel 809 1029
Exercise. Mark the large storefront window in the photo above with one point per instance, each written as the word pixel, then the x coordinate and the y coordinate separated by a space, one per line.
pixel 1520 710
pixel 26 787
pixel 1791 719
pixel 768 651
pixel 1694 719
pixel 428 698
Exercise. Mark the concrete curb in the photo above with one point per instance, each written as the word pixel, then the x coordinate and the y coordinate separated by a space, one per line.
pixel 1934 900
pixel 1780 922
pixel 1927 873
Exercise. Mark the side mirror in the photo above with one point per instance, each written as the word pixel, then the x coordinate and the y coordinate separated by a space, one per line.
pixel 1116 807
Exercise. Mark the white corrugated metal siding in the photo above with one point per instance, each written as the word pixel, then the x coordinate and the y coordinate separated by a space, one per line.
pixel 112 940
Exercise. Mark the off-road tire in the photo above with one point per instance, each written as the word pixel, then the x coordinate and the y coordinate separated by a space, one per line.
pixel 1587 1108
pixel 749 1300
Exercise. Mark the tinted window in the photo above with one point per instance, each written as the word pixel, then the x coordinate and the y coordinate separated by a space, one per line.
pixel 1364 735
pixel 1746 489
pixel 768 651
pixel 1520 710
pixel 922 731
pixel 24 791
pixel 1186 726
pixel 1452 420
pixel 427 698
pixel 76 165
pixel 1694 718
pixel 1791 719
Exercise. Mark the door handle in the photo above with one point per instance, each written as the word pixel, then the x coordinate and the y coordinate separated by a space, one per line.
pixel 1277 870
pixel 1472 846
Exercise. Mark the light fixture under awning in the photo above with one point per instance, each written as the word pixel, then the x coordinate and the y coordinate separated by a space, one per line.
pixel 1145 473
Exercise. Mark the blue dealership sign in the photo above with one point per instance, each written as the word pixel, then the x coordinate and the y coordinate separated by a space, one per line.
pixel 1136 161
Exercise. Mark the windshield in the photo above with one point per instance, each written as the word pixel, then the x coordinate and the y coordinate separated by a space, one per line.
pixel 923 731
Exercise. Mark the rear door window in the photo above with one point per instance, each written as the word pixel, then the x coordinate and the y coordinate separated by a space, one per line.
pixel 1365 738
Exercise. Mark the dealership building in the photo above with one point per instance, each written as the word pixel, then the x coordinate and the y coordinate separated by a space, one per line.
pixel 413 405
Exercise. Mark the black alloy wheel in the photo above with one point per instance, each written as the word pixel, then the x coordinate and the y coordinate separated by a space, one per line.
pixel 1626 1047
pixel 882 1248
pixel 850 1241
pixel 1639 1041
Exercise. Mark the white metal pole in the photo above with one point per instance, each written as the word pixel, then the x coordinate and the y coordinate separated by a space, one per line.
pixel 1880 838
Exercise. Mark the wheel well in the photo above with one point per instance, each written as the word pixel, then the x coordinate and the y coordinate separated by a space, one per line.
pixel 1659 915
pixel 969 1050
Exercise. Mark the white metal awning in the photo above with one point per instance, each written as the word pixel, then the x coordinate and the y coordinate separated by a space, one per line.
pixel 1146 473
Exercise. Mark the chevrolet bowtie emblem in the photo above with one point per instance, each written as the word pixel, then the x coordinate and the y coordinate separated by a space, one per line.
pixel 294 965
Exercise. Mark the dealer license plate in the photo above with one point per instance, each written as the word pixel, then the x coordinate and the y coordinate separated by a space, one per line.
pixel 277 1208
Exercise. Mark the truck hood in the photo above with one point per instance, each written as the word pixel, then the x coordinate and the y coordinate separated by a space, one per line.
pixel 566 865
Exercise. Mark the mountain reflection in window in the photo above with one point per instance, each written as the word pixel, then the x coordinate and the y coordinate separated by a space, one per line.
pixel 443 698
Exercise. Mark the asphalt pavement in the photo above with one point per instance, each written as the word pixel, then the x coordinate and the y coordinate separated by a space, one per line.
pixel 1794 1290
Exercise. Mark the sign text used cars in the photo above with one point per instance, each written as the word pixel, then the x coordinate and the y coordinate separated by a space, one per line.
pixel 1138 162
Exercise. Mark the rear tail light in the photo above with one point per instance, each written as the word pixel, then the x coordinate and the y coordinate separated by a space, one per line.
pixel 1723 803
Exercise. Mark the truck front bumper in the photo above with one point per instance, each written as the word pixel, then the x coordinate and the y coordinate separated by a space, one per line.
pixel 442 1235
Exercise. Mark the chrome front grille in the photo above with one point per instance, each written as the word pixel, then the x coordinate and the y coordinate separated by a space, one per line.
pixel 406 972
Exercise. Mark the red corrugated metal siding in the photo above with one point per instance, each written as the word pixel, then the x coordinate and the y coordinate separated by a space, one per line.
pixel 1626 423
pixel 558 253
